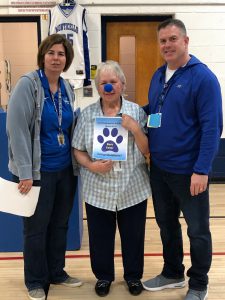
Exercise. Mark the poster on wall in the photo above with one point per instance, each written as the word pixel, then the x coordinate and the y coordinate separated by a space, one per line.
pixel 30 6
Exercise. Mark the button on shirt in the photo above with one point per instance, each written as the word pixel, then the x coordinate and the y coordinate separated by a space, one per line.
pixel 114 190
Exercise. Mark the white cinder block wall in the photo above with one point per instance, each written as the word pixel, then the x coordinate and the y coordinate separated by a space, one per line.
pixel 205 22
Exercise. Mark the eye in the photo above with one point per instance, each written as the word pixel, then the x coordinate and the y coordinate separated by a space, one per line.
pixel 162 42
pixel 173 39
pixel 113 82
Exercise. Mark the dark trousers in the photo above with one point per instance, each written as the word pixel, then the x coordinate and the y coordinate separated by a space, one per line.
pixel 45 233
pixel 102 229
pixel 171 195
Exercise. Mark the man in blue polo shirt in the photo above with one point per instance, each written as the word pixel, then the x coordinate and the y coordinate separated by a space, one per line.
pixel 185 124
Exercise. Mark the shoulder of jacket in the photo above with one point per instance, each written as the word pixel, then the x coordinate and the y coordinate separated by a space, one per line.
pixel 201 72
pixel 36 83
pixel 69 90
pixel 33 77
pixel 68 85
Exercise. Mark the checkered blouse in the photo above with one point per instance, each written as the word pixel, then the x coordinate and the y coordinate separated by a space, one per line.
pixel 114 190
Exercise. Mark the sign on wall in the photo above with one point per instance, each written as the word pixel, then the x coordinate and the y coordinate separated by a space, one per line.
pixel 30 6
pixel 32 2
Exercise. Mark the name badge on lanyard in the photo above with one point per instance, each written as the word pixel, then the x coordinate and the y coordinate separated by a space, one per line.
pixel 154 120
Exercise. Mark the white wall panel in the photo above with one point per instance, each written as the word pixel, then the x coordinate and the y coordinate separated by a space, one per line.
pixel 94 39
pixel 205 22
pixel 95 55
pixel 93 20
pixel 206 37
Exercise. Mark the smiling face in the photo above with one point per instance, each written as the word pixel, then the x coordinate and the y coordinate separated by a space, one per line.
pixel 173 45
pixel 108 76
pixel 55 59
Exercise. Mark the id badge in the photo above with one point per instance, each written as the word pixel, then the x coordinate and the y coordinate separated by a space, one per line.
pixel 117 166
pixel 61 139
pixel 154 120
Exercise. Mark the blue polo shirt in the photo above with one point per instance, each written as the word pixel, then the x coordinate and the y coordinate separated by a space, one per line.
pixel 55 157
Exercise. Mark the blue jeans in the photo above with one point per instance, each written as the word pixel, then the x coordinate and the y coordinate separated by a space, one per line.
pixel 45 233
pixel 171 195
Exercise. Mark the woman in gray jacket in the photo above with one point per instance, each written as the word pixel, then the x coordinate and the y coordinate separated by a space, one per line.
pixel 40 120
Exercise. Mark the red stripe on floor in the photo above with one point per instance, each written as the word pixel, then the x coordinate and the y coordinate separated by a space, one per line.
pixel 87 255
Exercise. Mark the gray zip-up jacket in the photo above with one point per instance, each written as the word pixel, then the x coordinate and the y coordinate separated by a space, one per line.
pixel 24 123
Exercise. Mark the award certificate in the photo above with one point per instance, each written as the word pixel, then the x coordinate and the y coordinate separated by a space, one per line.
pixel 110 139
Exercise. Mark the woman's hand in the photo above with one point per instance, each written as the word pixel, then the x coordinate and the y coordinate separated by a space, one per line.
pixel 25 186
pixel 97 166
pixel 133 126
pixel 130 124
pixel 101 166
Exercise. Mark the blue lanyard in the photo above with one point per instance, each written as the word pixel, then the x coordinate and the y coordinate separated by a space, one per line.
pixel 58 111
pixel 45 84
pixel 163 95
pixel 166 88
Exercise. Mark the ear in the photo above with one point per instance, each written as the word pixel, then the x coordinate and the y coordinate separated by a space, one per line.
pixel 186 40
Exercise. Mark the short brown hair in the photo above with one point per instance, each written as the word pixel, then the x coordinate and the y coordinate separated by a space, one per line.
pixel 47 44
pixel 173 22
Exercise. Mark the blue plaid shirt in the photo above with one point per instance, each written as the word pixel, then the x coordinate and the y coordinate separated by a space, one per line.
pixel 113 190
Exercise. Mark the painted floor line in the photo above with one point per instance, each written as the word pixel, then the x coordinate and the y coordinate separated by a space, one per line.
pixel 116 255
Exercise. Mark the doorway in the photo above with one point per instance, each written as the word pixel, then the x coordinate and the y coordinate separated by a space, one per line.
pixel 132 41
pixel 19 40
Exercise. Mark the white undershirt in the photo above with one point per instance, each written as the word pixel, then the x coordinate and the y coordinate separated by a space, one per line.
pixel 169 74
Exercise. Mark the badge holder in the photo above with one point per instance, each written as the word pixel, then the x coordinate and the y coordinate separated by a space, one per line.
pixel 61 139
pixel 154 120
pixel 117 166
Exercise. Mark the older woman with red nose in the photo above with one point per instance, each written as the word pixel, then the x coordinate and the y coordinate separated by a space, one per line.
pixel 115 192
pixel 40 122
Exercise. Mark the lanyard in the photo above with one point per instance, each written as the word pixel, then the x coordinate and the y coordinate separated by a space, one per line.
pixel 48 93
pixel 163 94
pixel 166 88
pixel 59 110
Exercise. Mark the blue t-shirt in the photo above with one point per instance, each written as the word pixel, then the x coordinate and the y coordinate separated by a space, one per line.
pixel 55 157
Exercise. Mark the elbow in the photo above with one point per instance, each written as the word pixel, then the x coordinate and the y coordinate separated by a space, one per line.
pixel 75 153
pixel 145 152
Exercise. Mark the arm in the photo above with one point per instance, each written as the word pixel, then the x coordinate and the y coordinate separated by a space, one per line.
pixel 209 117
pixel 139 136
pixel 209 110
pixel 19 118
pixel 98 166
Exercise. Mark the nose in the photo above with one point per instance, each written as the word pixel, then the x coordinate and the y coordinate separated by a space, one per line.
pixel 55 56
pixel 108 87
pixel 167 43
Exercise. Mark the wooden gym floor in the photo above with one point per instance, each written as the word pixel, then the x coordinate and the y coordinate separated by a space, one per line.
pixel 78 264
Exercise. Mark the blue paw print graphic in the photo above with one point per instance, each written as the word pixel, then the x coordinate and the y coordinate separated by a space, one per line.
pixel 110 145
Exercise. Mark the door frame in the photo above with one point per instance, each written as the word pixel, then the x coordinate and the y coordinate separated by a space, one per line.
pixel 24 19
pixel 125 18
